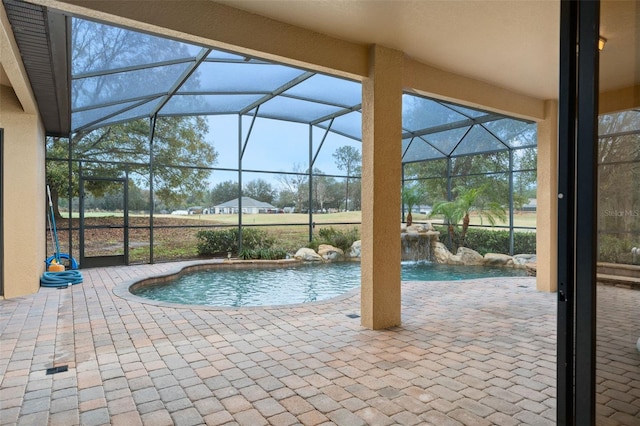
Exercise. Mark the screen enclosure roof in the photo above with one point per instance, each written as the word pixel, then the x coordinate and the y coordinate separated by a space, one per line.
pixel 117 75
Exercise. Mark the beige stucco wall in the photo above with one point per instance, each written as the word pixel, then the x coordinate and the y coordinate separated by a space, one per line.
pixel 381 181
pixel 547 198
pixel 619 100
pixel 433 82
pixel 225 27
pixel 24 196
pixel 23 189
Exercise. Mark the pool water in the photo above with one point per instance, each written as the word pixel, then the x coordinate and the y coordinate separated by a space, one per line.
pixel 293 284
pixel 422 271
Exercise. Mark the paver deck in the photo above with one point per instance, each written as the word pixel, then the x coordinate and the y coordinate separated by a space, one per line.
pixel 476 352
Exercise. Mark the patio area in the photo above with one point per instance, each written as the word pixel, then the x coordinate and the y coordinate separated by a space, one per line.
pixel 478 352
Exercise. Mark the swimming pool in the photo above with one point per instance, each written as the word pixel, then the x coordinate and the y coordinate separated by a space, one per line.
pixel 300 283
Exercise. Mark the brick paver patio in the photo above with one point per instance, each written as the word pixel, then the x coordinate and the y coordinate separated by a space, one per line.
pixel 477 352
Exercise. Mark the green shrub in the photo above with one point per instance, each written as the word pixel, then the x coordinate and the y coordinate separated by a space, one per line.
pixel 485 241
pixel 491 241
pixel 220 242
pixel 524 242
pixel 254 238
pixel 263 254
pixel 335 237
pixel 613 249
pixel 314 244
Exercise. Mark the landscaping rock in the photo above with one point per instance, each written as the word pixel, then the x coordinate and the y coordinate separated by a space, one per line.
pixel 532 268
pixel 469 257
pixel 354 251
pixel 308 255
pixel 416 229
pixel 522 259
pixel 330 253
pixel 441 253
pixel 497 259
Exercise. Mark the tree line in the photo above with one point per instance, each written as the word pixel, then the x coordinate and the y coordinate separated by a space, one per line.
pixel 181 160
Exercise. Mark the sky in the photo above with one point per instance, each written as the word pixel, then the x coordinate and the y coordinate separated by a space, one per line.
pixel 273 145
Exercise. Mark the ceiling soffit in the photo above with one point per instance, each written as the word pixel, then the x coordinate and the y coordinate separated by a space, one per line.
pixel 41 38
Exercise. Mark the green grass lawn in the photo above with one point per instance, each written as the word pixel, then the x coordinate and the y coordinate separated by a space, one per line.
pixel 270 219
pixel 171 242
pixel 520 219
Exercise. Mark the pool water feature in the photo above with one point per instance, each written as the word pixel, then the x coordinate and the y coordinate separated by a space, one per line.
pixel 300 283
pixel 418 246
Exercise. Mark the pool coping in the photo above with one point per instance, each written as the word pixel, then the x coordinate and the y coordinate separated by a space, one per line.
pixel 123 290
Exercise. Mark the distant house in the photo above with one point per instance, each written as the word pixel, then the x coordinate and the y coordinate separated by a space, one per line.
pixel 249 206
pixel 424 209
pixel 531 206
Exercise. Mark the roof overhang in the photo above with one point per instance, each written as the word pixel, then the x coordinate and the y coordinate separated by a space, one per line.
pixel 41 36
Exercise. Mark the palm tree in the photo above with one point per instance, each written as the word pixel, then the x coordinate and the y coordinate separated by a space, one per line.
pixel 451 213
pixel 468 200
pixel 471 200
pixel 412 195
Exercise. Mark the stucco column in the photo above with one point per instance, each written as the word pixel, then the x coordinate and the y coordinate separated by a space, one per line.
pixel 381 179
pixel 24 207
pixel 23 192
pixel 547 208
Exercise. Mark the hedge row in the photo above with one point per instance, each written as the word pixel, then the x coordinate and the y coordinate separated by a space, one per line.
pixel 257 243
pixel 490 241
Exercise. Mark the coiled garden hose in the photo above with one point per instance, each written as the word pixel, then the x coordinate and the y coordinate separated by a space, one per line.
pixel 60 279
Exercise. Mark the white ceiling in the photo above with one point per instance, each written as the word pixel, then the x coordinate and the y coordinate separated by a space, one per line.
pixel 512 44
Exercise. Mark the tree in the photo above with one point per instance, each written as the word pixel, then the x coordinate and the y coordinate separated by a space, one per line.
pixel 525 180
pixel 178 141
pixel 355 193
pixel 297 185
pixel 99 47
pixel 57 172
pixel 260 190
pixel 618 188
pixel 286 198
pixel 519 201
pixel 469 200
pixel 452 215
pixel 411 195
pixel 124 149
pixel 322 189
pixel 181 157
pixel 490 168
pixel 223 192
pixel 473 171
pixel 349 160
